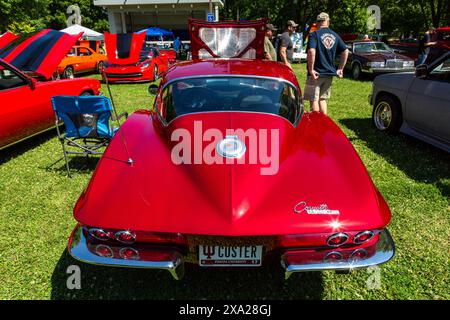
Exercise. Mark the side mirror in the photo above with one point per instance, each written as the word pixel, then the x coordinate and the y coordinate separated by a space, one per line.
pixel 32 83
pixel 152 89
pixel 422 71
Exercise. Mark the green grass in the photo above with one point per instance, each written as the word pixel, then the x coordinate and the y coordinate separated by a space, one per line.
pixel 37 198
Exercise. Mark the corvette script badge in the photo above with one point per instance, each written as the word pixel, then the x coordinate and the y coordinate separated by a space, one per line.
pixel 322 209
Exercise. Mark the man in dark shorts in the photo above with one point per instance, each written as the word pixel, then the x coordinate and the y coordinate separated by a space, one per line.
pixel 324 45
pixel 286 45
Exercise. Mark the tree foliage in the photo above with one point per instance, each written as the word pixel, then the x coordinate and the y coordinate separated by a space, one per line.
pixel 399 17
pixel 29 15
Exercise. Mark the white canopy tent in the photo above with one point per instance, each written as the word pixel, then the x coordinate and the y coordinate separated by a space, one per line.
pixel 88 33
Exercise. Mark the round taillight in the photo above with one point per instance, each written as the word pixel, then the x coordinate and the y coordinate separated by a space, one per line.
pixel 99 234
pixel 363 237
pixel 125 236
pixel 104 251
pixel 129 254
pixel 358 254
pixel 333 256
pixel 337 239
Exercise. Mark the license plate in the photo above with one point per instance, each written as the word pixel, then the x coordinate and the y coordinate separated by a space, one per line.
pixel 227 256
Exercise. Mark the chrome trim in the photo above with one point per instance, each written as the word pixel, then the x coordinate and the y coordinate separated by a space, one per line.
pixel 353 254
pixel 132 234
pixel 385 250
pixel 92 233
pixel 161 90
pixel 340 234
pixel 327 257
pixel 78 249
pixel 363 233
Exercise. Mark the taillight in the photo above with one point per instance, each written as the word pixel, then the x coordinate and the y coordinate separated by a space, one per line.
pixel 129 253
pixel 358 254
pixel 125 236
pixel 104 251
pixel 333 256
pixel 337 239
pixel 363 237
pixel 169 238
pixel 99 234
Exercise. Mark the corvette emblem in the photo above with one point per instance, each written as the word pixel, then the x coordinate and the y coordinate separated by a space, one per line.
pixel 322 209
pixel 231 147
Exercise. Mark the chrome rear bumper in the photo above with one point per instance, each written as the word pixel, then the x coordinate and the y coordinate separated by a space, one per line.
pixel 169 259
pixel 383 252
pixel 172 260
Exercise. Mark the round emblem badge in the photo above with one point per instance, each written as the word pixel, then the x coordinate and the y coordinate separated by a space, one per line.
pixel 231 147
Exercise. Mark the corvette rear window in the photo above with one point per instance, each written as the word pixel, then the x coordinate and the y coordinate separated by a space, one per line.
pixel 231 94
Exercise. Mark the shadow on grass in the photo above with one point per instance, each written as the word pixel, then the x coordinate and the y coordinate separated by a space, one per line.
pixel 77 164
pixel 267 282
pixel 22 147
pixel 418 160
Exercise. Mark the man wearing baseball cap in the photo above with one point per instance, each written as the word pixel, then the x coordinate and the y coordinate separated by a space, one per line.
pixel 286 45
pixel 324 45
pixel 269 50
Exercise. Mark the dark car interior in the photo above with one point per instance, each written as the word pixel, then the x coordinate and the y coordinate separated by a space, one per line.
pixel 190 96
pixel 9 80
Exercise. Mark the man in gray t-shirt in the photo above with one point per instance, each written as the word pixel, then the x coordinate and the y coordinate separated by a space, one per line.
pixel 286 45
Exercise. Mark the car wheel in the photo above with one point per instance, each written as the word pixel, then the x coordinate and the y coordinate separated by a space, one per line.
pixel 356 71
pixel 387 114
pixel 155 72
pixel 86 93
pixel 100 67
pixel 68 73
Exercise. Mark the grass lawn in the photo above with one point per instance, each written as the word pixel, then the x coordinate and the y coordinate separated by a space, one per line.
pixel 37 197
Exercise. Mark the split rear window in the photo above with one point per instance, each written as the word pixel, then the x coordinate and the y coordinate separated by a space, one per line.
pixel 209 94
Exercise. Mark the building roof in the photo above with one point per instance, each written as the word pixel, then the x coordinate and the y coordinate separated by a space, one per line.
pixel 152 2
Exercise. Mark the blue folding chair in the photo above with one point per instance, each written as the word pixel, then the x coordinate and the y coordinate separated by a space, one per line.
pixel 87 123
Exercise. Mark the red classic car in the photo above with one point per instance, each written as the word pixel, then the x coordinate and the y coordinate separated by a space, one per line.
pixel 26 86
pixel 228 171
pixel 131 60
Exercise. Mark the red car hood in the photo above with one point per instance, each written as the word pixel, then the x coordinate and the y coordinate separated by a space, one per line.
pixel 243 39
pixel 124 48
pixel 39 52
pixel 6 38
pixel 318 168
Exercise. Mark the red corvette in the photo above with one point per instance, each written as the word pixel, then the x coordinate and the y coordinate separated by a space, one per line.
pixel 228 171
pixel 26 86
pixel 131 60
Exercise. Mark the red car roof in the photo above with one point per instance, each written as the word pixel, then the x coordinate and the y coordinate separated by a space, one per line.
pixel 217 67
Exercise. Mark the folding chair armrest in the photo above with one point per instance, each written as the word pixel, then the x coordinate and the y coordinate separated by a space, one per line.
pixel 124 114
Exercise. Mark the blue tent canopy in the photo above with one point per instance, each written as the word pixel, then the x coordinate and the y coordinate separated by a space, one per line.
pixel 156 32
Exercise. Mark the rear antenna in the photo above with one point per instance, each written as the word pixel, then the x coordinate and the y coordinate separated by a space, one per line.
pixel 105 79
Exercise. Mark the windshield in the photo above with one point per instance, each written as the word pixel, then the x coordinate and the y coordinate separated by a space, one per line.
pixel 231 94
pixel 370 47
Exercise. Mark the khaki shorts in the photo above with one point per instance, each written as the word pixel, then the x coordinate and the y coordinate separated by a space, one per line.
pixel 319 89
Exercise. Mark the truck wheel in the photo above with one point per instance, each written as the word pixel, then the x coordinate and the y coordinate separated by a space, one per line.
pixel 387 114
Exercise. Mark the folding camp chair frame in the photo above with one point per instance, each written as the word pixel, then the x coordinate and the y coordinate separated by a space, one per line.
pixel 90 145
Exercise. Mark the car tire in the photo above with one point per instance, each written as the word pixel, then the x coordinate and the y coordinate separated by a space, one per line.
pixel 86 93
pixel 155 72
pixel 68 73
pixel 99 67
pixel 356 71
pixel 387 114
